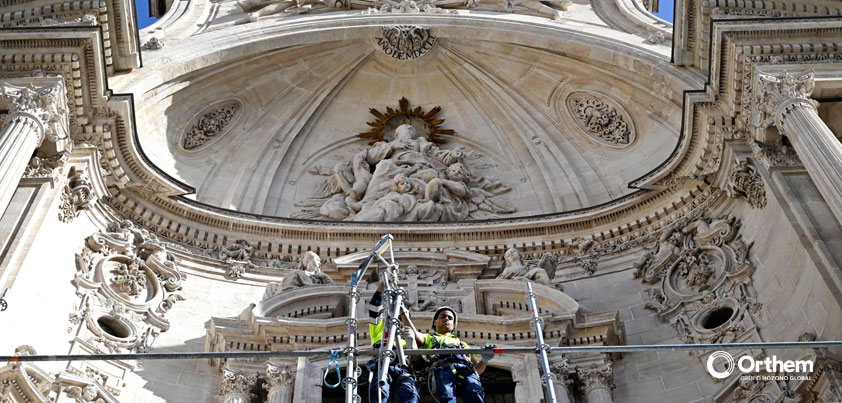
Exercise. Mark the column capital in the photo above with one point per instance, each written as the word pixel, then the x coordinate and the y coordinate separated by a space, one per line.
pixel 237 383
pixel 775 93
pixel 596 376
pixel 278 375
pixel 43 100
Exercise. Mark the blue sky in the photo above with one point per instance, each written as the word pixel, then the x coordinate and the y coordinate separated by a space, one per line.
pixel 144 20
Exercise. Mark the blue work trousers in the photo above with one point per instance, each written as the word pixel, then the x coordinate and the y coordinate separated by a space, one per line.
pixel 458 380
pixel 400 380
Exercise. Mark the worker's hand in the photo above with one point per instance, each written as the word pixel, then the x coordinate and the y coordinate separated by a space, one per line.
pixel 490 354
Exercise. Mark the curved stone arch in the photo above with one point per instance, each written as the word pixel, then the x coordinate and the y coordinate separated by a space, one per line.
pixel 306 299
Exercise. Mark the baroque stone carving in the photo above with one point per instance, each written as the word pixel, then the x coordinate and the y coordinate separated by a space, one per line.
pixel 153 44
pixel 262 8
pixel 45 104
pixel 45 167
pixel 308 273
pixel 240 250
pixel 413 6
pixel 406 179
pixel 704 281
pixel 417 117
pixel 776 93
pixel 211 124
pixel 656 37
pixel 76 195
pixel 515 269
pixel 237 383
pixel 405 42
pixel 602 119
pixel 745 181
pixel 777 155
pixel 127 282
pixel 278 375
pixel 596 376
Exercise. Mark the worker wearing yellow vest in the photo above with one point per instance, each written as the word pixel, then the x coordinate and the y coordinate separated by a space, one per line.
pixel 455 375
pixel 400 379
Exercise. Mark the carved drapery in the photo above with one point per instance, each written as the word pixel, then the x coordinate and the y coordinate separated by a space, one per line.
pixel 784 101
pixel 236 386
pixel 36 112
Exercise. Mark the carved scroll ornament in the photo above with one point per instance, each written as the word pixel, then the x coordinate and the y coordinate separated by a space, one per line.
pixel 601 118
pixel 212 123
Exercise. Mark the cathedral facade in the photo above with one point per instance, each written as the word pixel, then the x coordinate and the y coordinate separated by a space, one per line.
pixel 212 182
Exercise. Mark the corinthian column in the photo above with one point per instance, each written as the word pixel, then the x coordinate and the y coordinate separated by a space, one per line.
pixel 597 382
pixel 36 112
pixel 236 386
pixel 280 381
pixel 784 100
pixel 561 370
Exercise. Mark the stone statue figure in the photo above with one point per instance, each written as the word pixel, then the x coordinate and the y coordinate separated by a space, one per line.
pixel 406 179
pixel 431 303
pixel 262 8
pixel 548 8
pixel 515 269
pixel 308 273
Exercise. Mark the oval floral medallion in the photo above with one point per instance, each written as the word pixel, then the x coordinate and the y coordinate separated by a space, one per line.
pixel 601 118
pixel 211 124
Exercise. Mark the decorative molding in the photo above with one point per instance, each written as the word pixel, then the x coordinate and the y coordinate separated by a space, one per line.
pixel 237 382
pixel 405 42
pixel 596 376
pixel 45 167
pixel 211 124
pixel 603 119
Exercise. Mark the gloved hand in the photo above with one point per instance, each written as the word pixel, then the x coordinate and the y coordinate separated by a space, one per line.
pixel 490 354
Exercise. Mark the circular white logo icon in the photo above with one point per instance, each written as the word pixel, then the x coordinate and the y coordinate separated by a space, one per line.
pixel 729 365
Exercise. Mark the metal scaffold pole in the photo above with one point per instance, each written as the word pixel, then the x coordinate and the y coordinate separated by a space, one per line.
pixel 542 348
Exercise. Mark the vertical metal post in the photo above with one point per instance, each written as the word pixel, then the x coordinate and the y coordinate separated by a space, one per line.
pixel 541 346
pixel 351 351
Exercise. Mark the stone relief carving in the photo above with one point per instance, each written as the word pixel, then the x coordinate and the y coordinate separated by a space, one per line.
pixel 745 181
pixel 153 44
pixel 775 155
pixel 703 276
pixel 656 37
pixel 414 6
pixel 76 195
pixel 406 179
pixel 432 301
pixel 773 94
pixel 263 8
pixel 546 8
pixel 45 167
pixel 515 269
pixel 405 42
pixel 388 120
pixel 596 376
pixel 236 386
pixel 46 104
pixel 211 124
pixel 127 281
pixel 602 119
pixel 308 273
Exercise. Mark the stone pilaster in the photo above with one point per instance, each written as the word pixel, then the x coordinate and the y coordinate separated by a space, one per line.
pixel 236 386
pixel 597 382
pixel 280 382
pixel 784 100
pixel 36 112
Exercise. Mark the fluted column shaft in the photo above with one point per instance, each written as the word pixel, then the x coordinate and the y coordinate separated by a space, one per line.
pixel 785 101
pixel 18 140
pixel 36 111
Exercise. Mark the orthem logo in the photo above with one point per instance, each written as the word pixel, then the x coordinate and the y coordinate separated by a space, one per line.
pixel 729 365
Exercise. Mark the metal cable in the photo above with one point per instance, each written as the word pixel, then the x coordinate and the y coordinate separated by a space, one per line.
pixel 372 352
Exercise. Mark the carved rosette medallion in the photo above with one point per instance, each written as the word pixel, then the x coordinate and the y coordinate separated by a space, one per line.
pixel 210 124
pixel 601 118
pixel 406 42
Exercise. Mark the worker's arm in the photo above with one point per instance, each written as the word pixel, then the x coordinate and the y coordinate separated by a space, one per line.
pixel 420 338
pixel 479 364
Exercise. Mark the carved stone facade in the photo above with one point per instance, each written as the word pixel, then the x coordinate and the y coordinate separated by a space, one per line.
pixel 656 184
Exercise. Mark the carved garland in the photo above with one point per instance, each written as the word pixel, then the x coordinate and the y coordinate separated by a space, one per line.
pixel 211 124
pixel 601 118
